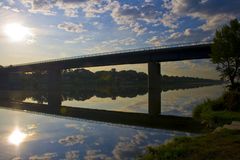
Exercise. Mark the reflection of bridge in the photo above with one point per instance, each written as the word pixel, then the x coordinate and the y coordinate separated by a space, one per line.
pixel 152 56
pixel 185 124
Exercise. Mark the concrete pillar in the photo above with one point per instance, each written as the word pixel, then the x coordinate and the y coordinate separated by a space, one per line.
pixel 154 88
pixel 4 79
pixel 54 79
pixel 54 101
pixel 54 89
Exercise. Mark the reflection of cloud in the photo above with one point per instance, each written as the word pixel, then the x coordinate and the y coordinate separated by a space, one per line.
pixel 126 148
pixel 72 155
pixel 96 154
pixel 72 140
pixel 46 156
pixel 31 126
pixel 17 158
pixel 76 126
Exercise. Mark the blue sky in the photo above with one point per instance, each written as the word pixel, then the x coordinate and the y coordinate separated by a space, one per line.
pixel 65 28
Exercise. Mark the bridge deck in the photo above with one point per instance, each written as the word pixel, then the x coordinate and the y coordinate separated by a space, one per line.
pixel 136 56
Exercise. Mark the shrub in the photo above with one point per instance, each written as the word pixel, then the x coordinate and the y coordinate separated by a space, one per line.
pixel 232 100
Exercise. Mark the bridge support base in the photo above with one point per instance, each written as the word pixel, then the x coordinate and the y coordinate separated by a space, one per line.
pixel 154 89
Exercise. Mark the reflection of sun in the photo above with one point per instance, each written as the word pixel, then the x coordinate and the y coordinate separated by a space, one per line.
pixel 17 32
pixel 16 137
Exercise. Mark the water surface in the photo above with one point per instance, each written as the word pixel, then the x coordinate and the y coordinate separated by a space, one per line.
pixel 27 135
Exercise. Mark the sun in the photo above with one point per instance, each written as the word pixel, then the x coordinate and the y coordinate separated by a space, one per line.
pixel 17 32
pixel 16 137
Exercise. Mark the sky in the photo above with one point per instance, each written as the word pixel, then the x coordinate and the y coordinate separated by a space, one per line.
pixel 35 30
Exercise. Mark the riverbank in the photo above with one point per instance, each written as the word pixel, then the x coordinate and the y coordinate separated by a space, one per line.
pixel 215 113
pixel 221 144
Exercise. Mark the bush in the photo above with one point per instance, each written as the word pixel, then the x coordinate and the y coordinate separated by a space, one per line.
pixel 232 101
pixel 220 111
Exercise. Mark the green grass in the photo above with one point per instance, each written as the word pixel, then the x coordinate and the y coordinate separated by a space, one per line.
pixel 214 114
pixel 222 145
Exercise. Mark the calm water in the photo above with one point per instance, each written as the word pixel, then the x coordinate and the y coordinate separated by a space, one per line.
pixel 173 102
pixel 27 135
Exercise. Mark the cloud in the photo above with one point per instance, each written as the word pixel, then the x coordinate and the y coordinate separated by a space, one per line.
pixel 96 155
pixel 80 39
pixel 72 155
pixel 213 12
pixel 36 6
pixel 120 42
pixel 72 140
pixel 112 45
pixel 71 27
pixel 127 147
pixel 46 156
pixel 17 158
pixel 187 36
pixel 155 41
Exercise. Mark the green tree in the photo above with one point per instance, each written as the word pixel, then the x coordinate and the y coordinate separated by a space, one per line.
pixel 226 52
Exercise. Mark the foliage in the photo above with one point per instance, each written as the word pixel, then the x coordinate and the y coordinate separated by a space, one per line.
pixel 220 111
pixel 221 145
pixel 226 52
pixel 232 101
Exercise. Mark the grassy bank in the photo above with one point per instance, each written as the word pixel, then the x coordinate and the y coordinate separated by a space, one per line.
pixel 218 145
pixel 221 145
pixel 218 112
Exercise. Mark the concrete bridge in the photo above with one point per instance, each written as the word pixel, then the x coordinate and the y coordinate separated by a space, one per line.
pixel 153 56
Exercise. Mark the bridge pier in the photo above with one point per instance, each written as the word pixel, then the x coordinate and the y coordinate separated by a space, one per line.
pixel 54 88
pixel 4 79
pixel 54 78
pixel 154 89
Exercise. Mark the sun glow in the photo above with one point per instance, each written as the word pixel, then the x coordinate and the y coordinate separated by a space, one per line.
pixel 17 32
pixel 16 137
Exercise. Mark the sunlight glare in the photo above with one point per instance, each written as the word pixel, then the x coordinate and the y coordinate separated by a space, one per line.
pixel 16 137
pixel 16 32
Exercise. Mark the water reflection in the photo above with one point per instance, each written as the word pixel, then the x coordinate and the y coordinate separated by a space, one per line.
pixel 119 110
pixel 122 138
pixel 61 138
pixel 16 137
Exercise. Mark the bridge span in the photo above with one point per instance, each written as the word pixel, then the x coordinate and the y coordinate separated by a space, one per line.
pixel 179 52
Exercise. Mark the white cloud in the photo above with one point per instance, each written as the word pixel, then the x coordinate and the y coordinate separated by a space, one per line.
pixel 155 41
pixel 80 39
pixel 120 42
pixel 71 27
pixel 36 6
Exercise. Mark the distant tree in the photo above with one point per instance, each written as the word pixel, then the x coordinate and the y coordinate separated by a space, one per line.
pixel 226 52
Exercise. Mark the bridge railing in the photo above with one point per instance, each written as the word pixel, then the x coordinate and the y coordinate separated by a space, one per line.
pixel 116 52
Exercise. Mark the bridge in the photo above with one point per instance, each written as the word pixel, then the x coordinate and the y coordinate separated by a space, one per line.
pixel 185 51
pixel 153 56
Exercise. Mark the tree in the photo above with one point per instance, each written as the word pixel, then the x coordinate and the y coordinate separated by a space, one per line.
pixel 226 52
